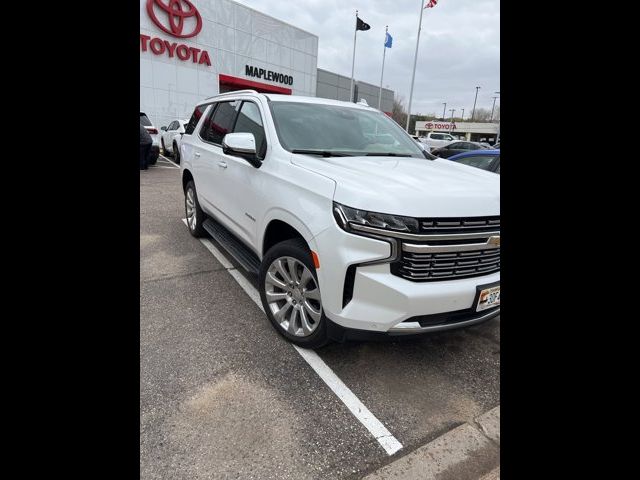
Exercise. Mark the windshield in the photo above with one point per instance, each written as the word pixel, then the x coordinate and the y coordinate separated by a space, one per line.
pixel 331 130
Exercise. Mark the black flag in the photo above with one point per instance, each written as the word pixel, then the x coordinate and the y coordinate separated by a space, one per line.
pixel 361 25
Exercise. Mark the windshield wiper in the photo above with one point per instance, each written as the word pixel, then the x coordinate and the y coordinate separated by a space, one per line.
pixel 387 154
pixel 324 153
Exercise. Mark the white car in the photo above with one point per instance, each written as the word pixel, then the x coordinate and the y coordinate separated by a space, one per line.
pixel 349 227
pixel 171 136
pixel 435 140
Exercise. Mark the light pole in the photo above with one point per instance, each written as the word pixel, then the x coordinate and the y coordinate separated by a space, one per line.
pixel 473 112
pixel 444 110
pixel 463 114
pixel 451 126
pixel 494 106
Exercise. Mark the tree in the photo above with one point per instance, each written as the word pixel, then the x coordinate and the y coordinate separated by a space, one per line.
pixel 399 112
pixel 482 115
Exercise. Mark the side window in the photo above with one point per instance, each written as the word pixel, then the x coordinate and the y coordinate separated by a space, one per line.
pixel 479 161
pixel 220 122
pixel 455 146
pixel 250 121
pixel 195 118
pixel 449 137
pixel 436 136
pixel 172 126
pixel 473 146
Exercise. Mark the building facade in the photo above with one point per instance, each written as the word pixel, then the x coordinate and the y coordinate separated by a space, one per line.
pixel 194 49
pixel 191 50
pixel 471 131
pixel 337 87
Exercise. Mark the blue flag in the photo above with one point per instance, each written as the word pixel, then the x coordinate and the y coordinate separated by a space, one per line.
pixel 388 40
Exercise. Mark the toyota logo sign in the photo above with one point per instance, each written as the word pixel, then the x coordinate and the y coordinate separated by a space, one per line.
pixel 174 12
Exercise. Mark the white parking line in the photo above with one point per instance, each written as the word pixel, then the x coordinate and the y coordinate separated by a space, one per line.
pixel 169 161
pixel 386 440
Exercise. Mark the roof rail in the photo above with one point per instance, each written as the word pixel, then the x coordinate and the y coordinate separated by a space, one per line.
pixel 234 92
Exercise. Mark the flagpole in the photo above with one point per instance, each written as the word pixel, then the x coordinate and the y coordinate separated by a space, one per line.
pixel 415 61
pixel 353 62
pixel 384 52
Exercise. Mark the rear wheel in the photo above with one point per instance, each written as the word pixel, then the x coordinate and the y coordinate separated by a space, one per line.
pixel 291 296
pixel 195 215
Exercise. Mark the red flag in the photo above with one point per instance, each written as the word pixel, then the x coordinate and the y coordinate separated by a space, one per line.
pixel 431 4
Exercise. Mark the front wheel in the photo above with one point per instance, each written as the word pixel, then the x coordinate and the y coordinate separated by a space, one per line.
pixel 291 296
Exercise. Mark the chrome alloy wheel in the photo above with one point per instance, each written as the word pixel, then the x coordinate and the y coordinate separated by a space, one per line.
pixel 293 296
pixel 190 202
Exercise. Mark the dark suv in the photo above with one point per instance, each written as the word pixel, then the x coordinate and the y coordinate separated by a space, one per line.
pixel 153 131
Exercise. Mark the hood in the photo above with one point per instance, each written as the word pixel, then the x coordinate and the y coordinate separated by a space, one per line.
pixel 409 186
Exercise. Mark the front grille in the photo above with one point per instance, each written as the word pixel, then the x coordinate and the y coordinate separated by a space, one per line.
pixel 424 267
pixel 459 225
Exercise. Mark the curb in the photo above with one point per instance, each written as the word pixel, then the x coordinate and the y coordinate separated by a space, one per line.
pixel 467 452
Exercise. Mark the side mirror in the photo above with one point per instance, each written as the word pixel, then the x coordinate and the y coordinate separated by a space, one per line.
pixel 241 145
pixel 164 129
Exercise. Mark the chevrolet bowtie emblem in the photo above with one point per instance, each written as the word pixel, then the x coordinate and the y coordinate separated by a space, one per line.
pixel 495 241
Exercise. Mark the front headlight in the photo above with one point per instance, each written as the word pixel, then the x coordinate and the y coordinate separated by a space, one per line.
pixel 346 215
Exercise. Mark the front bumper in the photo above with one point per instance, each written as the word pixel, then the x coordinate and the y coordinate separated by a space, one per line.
pixel 381 301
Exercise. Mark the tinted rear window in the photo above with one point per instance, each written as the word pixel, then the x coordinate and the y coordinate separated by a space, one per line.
pixel 195 118
pixel 220 122
pixel 144 120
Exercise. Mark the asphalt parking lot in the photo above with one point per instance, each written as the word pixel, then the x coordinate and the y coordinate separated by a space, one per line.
pixel 222 395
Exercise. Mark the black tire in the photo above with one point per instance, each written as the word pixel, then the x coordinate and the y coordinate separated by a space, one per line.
pixel 197 230
pixel 176 153
pixel 298 249
pixel 164 150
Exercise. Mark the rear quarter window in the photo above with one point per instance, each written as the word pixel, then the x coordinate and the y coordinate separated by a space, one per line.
pixel 195 118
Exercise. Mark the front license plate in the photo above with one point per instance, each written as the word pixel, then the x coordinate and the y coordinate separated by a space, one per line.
pixel 488 298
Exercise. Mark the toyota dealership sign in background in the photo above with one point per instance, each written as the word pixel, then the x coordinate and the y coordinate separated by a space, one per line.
pixel 181 19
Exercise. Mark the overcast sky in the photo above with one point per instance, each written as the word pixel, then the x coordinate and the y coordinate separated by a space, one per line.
pixel 459 46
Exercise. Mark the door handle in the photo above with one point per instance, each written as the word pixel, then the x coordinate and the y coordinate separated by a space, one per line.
pixel 222 164
pixel 197 154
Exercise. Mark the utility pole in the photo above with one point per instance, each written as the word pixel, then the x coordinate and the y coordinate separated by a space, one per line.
pixel 473 112
pixel 444 110
pixel 451 126
pixel 463 114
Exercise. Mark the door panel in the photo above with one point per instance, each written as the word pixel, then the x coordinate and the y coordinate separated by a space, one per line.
pixel 213 175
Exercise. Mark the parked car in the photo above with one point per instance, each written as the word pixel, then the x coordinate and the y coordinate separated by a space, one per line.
pixel 170 138
pixel 455 148
pixel 436 140
pixel 425 149
pixel 335 208
pixel 153 131
pixel 485 159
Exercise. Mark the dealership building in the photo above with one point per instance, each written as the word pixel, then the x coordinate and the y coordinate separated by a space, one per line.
pixel 193 49
pixel 470 131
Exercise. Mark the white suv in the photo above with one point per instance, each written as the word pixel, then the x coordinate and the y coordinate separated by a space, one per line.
pixel 435 140
pixel 349 227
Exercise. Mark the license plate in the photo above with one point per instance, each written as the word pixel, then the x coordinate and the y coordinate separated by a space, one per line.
pixel 489 297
